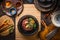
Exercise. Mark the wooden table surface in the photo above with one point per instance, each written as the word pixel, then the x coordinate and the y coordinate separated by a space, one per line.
pixel 29 9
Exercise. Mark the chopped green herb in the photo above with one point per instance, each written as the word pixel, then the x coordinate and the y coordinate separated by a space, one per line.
pixel 34 25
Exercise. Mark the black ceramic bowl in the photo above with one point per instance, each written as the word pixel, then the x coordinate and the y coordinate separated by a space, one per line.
pixel 26 32
pixel 45 5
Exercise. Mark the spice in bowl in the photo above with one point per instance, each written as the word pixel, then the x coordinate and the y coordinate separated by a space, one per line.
pixel 8 4
pixel 18 4
pixel 12 11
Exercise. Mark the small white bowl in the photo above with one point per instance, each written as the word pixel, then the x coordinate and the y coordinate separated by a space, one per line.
pixel 56 18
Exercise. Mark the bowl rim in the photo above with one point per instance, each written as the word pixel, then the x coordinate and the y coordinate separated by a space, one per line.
pixel 22 18
pixel 53 18
pixel 15 11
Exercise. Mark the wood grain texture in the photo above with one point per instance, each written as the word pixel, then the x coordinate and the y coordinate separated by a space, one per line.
pixel 29 9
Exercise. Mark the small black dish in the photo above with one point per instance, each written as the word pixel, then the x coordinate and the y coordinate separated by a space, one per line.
pixel 26 32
